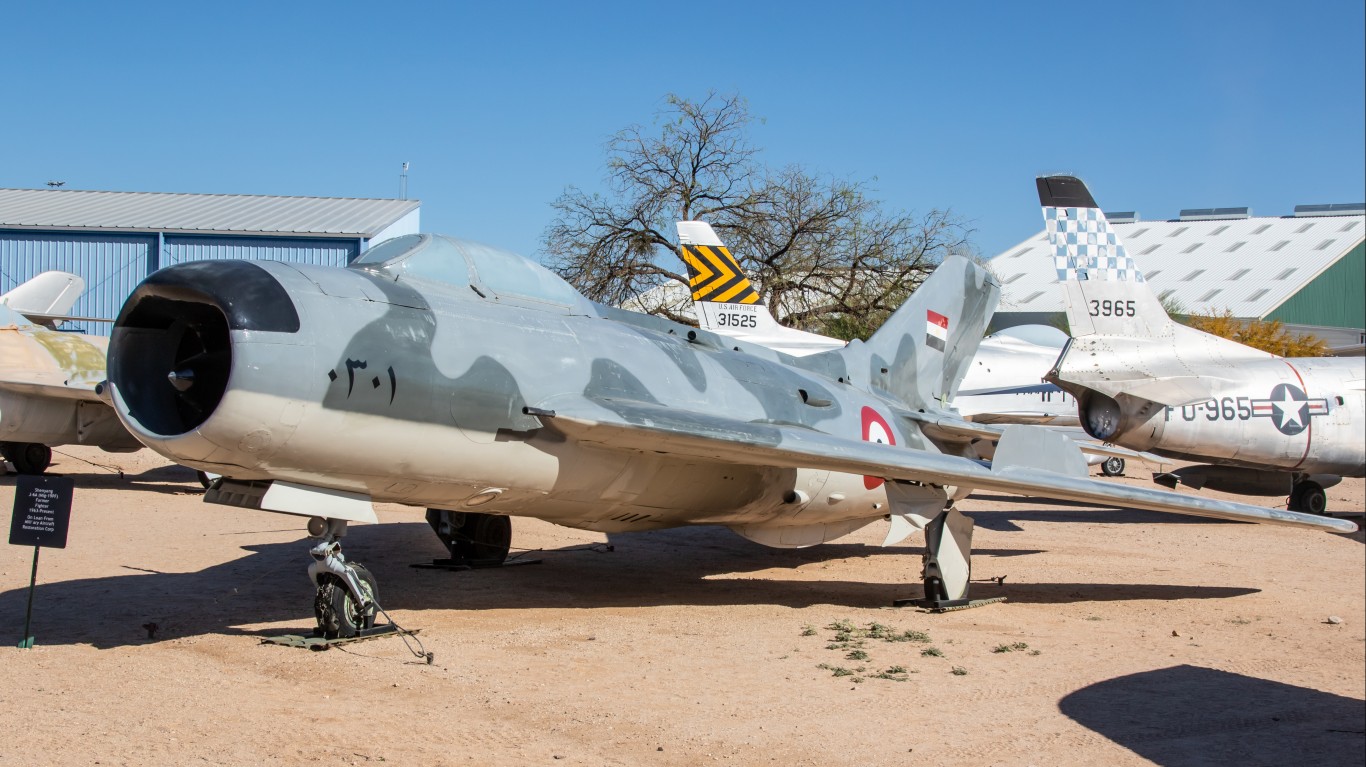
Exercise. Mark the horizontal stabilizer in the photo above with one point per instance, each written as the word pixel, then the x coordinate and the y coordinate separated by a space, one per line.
pixel 945 427
pixel 1032 448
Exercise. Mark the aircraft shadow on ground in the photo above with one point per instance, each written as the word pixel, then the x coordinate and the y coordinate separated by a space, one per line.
pixel 171 480
pixel 1187 716
pixel 686 566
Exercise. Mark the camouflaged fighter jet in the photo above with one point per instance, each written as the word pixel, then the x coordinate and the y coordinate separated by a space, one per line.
pixel 1257 424
pixel 449 375
pixel 1003 385
pixel 48 378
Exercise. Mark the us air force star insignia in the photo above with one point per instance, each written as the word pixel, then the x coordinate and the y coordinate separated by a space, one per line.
pixel 1289 409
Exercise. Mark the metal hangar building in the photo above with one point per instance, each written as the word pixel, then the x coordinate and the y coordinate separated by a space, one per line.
pixel 1307 270
pixel 115 239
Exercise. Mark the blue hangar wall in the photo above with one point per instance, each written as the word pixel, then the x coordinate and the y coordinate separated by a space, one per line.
pixel 114 263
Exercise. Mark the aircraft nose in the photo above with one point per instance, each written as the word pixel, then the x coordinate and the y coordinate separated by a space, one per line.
pixel 171 352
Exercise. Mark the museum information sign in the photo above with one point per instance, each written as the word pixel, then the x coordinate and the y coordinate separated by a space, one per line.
pixel 42 511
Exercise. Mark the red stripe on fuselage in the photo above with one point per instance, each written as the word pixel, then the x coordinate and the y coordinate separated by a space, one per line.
pixel 1308 427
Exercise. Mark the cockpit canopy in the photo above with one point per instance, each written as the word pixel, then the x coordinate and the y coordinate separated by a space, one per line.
pixel 495 273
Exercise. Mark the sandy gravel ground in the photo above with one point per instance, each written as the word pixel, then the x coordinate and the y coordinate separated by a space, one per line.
pixel 1126 638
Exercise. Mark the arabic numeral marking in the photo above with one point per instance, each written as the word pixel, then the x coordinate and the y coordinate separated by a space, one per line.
pixel 1244 408
pixel 1212 410
pixel 1226 408
pixel 1095 308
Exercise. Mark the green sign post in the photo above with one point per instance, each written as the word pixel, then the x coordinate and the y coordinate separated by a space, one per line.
pixel 42 514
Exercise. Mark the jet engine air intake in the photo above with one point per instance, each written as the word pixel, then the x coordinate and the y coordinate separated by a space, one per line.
pixel 171 362
pixel 170 355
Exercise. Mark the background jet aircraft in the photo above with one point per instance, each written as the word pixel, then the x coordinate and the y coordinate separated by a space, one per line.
pixel 1003 385
pixel 1259 424
pixel 446 374
pixel 48 378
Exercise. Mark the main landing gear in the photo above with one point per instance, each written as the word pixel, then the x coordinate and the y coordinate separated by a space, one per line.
pixel 1308 496
pixel 27 457
pixel 348 597
pixel 1112 467
pixel 474 540
pixel 947 564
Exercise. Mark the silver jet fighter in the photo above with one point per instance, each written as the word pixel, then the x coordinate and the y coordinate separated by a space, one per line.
pixel 473 382
pixel 1257 424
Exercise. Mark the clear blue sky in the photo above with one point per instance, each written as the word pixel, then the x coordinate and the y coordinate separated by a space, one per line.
pixel 499 106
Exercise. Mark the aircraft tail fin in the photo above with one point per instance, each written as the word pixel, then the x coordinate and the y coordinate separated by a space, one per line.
pixel 922 351
pixel 49 293
pixel 1105 292
pixel 728 304
pixel 715 276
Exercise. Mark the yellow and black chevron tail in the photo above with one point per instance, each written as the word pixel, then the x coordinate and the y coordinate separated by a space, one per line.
pixel 714 276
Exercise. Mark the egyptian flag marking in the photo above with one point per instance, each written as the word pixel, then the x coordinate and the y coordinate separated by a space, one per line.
pixel 936 330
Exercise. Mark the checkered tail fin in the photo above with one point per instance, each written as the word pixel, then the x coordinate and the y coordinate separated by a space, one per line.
pixel 1105 292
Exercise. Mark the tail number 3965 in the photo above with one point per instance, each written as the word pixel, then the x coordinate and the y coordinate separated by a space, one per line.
pixel 1113 309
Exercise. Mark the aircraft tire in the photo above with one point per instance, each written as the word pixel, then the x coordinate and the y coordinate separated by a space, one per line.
pixel 336 610
pixel 1309 497
pixel 28 457
pixel 487 538
pixel 479 540
pixel 1112 467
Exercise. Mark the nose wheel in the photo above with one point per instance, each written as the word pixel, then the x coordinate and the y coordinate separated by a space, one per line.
pixel 347 597
pixel 339 614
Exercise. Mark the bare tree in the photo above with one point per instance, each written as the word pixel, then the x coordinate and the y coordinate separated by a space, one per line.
pixel 826 255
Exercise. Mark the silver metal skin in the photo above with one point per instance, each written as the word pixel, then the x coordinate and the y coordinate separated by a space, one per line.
pixel 434 372
pixel 1266 424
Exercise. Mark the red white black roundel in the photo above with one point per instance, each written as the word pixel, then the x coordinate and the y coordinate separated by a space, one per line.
pixel 875 429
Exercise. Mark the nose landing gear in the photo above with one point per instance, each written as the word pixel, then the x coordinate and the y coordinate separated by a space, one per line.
pixel 348 596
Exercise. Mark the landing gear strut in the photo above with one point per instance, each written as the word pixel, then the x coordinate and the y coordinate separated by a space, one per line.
pixel 347 597
pixel 27 457
pixel 947 563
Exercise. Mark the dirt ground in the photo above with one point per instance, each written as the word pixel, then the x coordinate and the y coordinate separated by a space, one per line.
pixel 1125 638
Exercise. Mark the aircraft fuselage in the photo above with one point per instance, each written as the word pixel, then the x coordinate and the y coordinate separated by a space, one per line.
pixel 1298 415
pixel 420 398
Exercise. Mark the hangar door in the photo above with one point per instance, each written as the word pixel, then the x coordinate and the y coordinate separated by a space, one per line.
pixel 112 266
pixel 302 250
